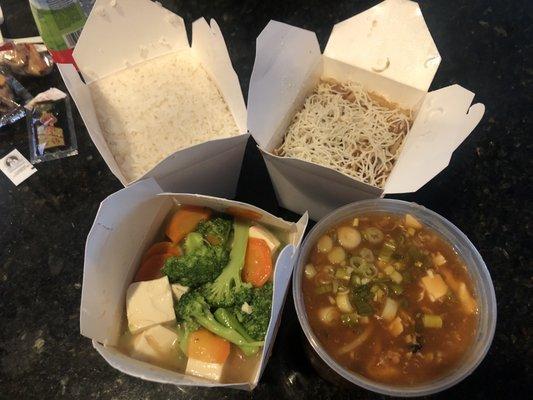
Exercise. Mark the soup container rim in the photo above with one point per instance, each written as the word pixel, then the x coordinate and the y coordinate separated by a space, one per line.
pixel 467 252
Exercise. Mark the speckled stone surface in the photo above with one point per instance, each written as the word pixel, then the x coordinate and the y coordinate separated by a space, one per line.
pixel 485 191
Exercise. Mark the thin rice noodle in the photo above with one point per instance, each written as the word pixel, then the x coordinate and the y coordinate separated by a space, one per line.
pixel 346 128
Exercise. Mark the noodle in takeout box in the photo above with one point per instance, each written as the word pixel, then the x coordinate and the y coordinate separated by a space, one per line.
pixel 120 36
pixel 114 249
pixel 387 49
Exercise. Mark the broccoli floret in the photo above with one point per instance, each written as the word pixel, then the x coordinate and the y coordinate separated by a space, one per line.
pixel 256 323
pixel 228 288
pixel 198 267
pixel 228 319
pixel 216 231
pixel 193 241
pixel 184 330
pixel 192 308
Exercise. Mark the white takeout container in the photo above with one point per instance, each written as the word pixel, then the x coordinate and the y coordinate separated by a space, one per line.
pixel 389 50
pixel 125 226
pixel 129 32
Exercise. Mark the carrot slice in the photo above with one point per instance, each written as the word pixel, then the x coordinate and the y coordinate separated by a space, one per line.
pixel 151 267
pixel 208 347
pixel 258 262
pixel 161 248
pixel 243 213
pixel 185 220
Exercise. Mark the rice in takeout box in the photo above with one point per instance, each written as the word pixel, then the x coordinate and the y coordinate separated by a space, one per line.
pixel 125 226
pixel 155 106
pixel 357 121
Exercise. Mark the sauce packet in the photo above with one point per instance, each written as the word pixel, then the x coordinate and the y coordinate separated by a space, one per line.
pixel 13 97
pixel 50 127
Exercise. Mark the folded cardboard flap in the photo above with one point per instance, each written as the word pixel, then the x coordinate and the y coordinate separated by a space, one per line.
pixel 125 226
pixel 124 34
pixel 287 67
pixel 443 122
pixel 82 98
pixel 209 47
pixel 391 39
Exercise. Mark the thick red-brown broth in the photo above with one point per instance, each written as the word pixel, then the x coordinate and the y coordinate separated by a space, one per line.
pixel 382 350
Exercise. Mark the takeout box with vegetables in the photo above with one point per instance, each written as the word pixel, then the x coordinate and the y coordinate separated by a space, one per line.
pixel 186 289
pixel 357 121
pixel 156 106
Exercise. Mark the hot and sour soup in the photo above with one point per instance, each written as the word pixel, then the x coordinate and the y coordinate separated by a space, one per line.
pixel 388 298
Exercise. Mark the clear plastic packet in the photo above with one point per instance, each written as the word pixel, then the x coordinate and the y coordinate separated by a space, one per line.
pixel 26 59
pixel 13 97
pixel 50 127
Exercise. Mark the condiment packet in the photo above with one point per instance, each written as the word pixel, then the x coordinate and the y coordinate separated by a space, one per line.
pixel 26 59
pixel 16 167
pixel 50 126
pixel 13 96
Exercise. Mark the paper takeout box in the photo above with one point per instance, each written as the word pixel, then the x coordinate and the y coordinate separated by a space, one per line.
pixel 125 226
pixel 389 50
pixel 121 34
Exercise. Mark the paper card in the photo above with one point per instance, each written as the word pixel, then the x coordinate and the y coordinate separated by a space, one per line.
pixel 16 167
pixel 125 226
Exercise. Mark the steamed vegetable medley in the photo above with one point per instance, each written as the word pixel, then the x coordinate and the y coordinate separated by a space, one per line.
pixel 201 300
pixel 389 299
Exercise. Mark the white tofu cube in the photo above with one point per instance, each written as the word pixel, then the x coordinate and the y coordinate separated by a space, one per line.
pixel 154 344
pixel 149 303
pixel 178 290
pixel 259 232
pixel 212 371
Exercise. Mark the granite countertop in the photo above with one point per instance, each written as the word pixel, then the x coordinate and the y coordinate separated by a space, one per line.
pixel 486 191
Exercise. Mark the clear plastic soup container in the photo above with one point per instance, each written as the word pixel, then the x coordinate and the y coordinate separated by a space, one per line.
pixel 484 293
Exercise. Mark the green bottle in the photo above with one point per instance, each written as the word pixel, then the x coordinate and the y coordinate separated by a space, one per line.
pixel 60 23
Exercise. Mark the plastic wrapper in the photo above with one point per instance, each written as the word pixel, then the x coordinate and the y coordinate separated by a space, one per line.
pixel 50 127
pixel 26 59
pixel 13 97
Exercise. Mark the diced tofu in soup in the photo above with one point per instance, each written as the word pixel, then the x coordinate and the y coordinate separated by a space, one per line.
pixel 390 299
pixel 149 303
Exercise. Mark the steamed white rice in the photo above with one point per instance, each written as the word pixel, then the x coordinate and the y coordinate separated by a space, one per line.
pixel 150 110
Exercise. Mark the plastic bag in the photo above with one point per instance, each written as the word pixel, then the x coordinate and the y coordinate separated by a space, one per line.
pixel 50 127
pixel 13 97
pixel 26 59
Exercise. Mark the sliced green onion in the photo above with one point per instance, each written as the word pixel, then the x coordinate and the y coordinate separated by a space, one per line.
pixel 343 273
pixel 350 320
pixel 324 288
pixel 373 235
pixel 390 244
pixel 367 254
pixel 396 288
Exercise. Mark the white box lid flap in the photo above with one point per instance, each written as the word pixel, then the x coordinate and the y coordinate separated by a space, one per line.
pixel 117 242
pixel 209 47
pixel 285 56
pixel 127 33
pixel 445 119
pixel 391 39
